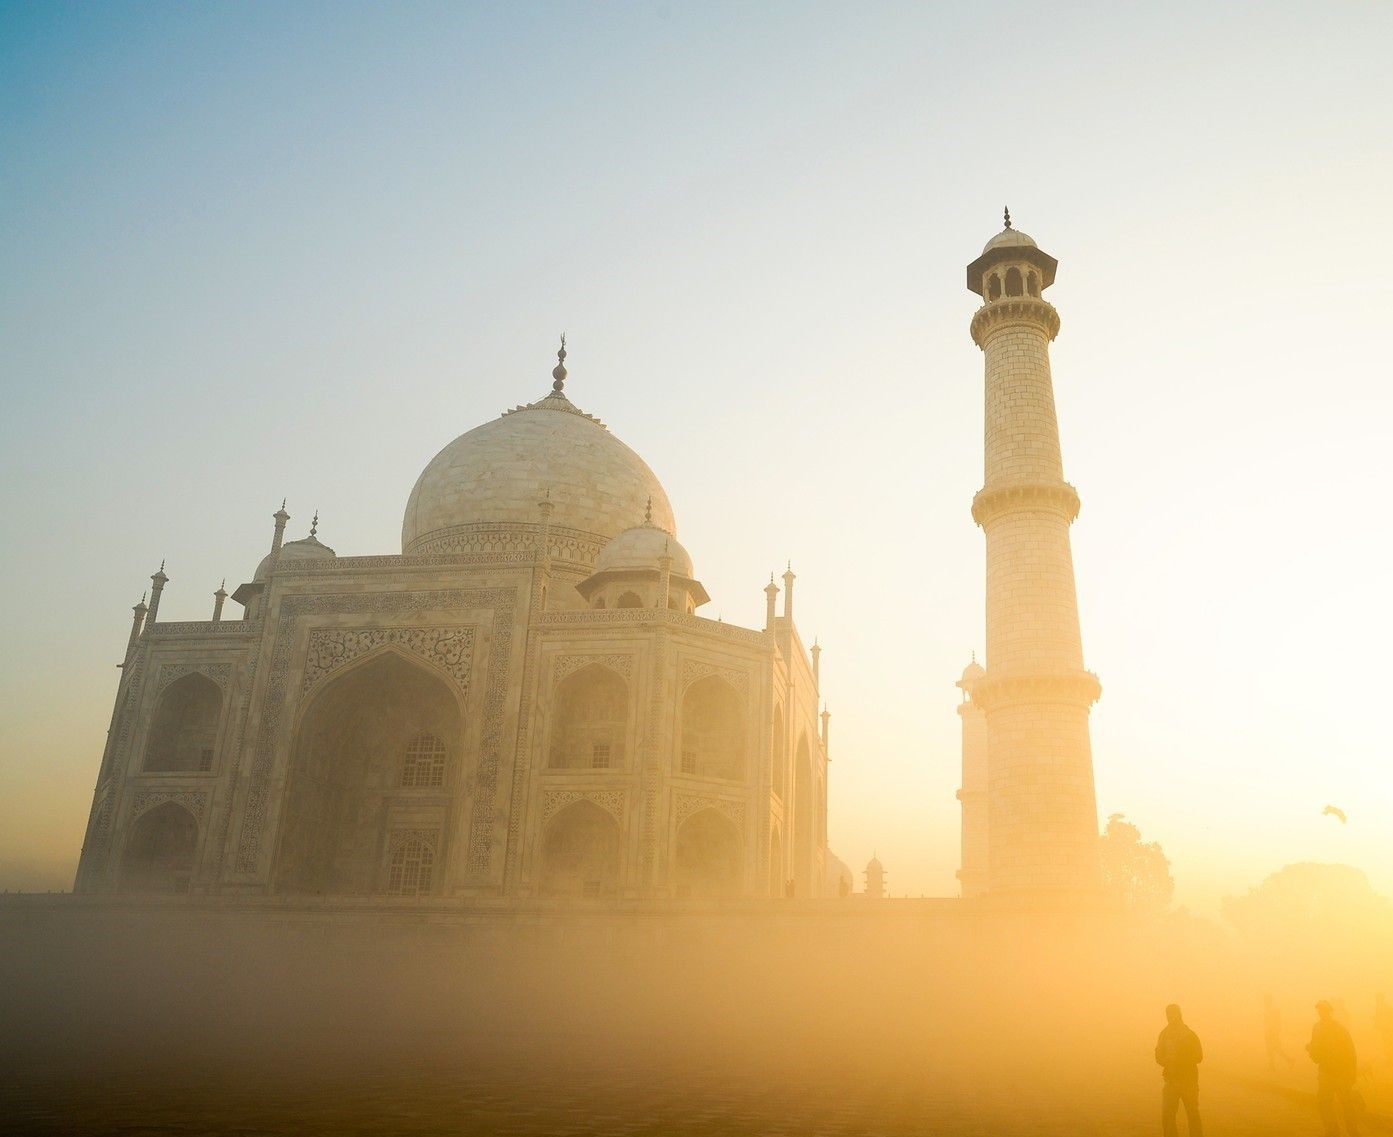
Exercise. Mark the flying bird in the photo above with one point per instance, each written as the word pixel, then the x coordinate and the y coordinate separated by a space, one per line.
pixel 1335 811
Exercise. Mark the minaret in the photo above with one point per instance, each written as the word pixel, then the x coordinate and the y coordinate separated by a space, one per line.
pixel 972 871
pixel 1036 695
pixel 771 591
pixel 219 598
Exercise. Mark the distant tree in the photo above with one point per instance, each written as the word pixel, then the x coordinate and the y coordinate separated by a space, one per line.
pixel 1323 923
pixel 1137 874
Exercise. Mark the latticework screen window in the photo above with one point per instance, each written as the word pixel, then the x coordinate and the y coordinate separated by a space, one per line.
pixel 410 870
pixel 424 762
pixel 689 761
pixel 599 756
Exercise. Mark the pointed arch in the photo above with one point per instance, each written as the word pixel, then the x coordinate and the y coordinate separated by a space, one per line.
pixel 160 850
pixel 589 720
pixel 779 757
pixel 777 876
pixel 184 729
pixel 712 743
pixel 629 600
pixel 1014 285
pixel 994 287
pixel 354 738
pixel 580 853
pixel 804 819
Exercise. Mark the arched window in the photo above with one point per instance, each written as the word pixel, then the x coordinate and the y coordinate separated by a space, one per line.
pixel 185 726
pixel 630 600
pixel 1013 282
pixel 779 758
pixel 994 287
pixel 599 602
pixel 590 717
pixel 713 730
pixel 1032 284
pixel 423 763
pixel 159 853
pixel 409 871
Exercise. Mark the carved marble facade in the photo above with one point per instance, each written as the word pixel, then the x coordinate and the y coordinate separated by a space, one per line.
pixel 522 704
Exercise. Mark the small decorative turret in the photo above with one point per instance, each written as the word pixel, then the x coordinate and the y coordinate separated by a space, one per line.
pixel 137 621
pixel 664 575
pixel 789 578
pixel 816 652
pixel 281 517
pixel 157 583
pixel 826 734
pixel 771 591
pixel 219 598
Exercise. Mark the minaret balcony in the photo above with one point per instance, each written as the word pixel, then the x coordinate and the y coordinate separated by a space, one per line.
pixel 1009 310
pixel 992 502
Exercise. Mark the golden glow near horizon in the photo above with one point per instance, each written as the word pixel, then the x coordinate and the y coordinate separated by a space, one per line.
pixel 757 245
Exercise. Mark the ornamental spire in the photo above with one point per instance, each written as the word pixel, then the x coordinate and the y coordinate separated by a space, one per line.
pixel 558 373
pixel 314 524
pixel 1006 213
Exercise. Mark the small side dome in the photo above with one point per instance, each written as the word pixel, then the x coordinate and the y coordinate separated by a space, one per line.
pixel 306 549
pixel 640 548
pixel 972 675
pixel 1010 239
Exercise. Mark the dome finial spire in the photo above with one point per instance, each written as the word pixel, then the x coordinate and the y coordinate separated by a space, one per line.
pixel 1006 213
pixel 558 373
pixel 314 524
pixel 648 511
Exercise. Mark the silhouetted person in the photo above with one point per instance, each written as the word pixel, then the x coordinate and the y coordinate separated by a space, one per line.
pixel 1272 1033
pixel 1179 1054
pixel 1383 1026
pixel 843 887
pixel 1332 1050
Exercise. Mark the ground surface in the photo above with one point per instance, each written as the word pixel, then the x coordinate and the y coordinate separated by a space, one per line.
pixel 584 1096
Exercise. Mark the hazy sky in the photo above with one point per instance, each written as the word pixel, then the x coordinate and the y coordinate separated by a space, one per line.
pixel 252 251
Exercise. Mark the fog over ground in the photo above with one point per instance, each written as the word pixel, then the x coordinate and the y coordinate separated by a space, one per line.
pixel 837 1017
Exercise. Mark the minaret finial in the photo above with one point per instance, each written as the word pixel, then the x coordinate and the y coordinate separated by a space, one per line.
pixel 314 524
pixel 648 511
pixel 1007 214
pixel 558 373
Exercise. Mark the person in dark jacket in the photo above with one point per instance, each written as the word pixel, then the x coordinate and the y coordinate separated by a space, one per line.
pixel 1332 1050
pixel 1179 1054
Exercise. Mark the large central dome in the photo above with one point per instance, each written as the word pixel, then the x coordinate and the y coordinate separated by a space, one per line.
pixel 490 479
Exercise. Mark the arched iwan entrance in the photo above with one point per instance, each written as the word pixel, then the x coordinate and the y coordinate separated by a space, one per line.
pixel 376 752
pixel 580 852
pixel 160 850
pixel 709 859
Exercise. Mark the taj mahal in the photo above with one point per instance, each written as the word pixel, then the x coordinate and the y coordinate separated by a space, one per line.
pixel 526 702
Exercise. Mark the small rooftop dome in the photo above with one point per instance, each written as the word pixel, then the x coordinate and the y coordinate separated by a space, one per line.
pixel 306 549
pixel 640 548
pixel 972 675
pixel 1010 238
